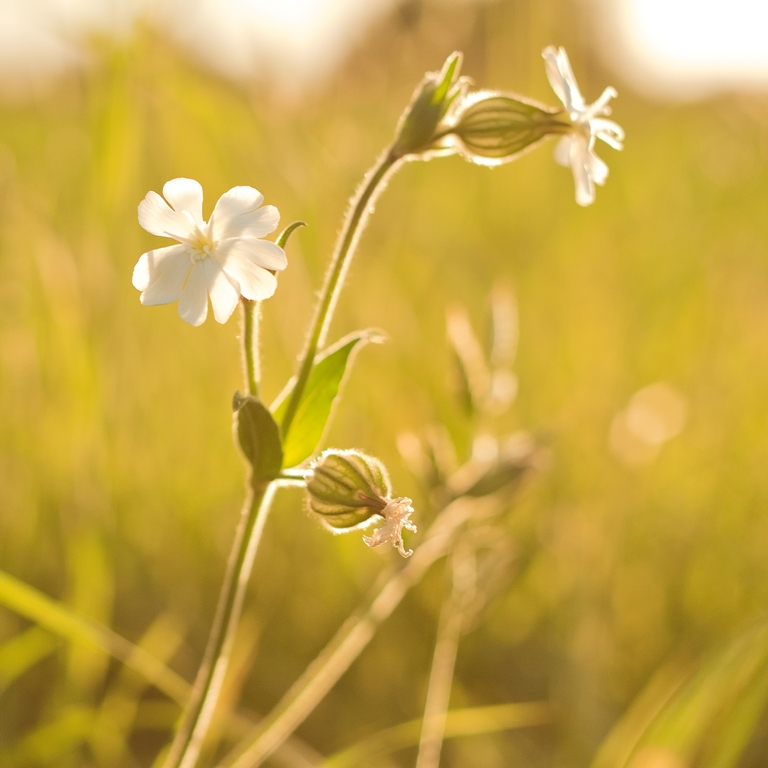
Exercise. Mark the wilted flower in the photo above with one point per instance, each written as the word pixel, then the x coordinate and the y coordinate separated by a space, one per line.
pixel 396 514
pixel 577 148
pixel 349 490
pixel 223 258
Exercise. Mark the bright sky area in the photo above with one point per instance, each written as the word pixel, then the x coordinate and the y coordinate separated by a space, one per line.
pixel 665 48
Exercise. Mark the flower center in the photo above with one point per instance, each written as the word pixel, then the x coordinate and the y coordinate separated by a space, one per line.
pixel 201 245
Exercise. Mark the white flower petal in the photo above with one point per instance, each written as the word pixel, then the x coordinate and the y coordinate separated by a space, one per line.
pixel 256 283
pixel 158 218
pixel 574 100
pixel 562 152
pixel 150 264
pixel 261 252
pixel 193 303
pixel 166 275
pixel 597 168
pixel 185 195
pixel 585 188
pixel 234 209
pixel 257 223
pixel 608 131
pixel 554 75
pixel 223 290
pixel 580 166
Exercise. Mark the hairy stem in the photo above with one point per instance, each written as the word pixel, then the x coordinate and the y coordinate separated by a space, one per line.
pixel 197 715
pixel 353 636
pixel 205 693
pixel 357 216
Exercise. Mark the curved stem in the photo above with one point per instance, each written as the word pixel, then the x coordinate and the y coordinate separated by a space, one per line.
pixel 354 223
pixel 250 324
pixel 205 693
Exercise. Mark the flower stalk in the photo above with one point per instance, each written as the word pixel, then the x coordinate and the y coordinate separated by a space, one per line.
pixel 196 719
pixel 250 326
pixel 357 216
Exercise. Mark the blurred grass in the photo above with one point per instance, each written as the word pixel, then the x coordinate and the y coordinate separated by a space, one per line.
pixel 120 484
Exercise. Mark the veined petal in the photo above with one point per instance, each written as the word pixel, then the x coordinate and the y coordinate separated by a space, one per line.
pixel 261 252
pixel 151 264
pixel 256 283
pixel 157 217
pixel 223 290
pixel 233 209
pixel 166 275
pixel 185 195
pixel 193 303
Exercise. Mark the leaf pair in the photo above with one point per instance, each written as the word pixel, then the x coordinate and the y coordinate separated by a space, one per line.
pixel 258 431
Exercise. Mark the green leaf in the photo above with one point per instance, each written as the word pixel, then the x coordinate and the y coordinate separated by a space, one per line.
pixel 317 400
pixel 259 438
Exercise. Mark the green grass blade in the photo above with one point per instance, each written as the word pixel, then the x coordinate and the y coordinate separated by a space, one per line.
pixel 707 721
pixel 61 620
pixel 474 721
pixel 23 651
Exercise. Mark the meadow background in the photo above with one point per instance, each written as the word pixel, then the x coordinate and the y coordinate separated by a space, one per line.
pixel 119 482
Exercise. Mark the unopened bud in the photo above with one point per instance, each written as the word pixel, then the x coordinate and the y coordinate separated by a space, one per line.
pixel 349 490
pixel 491 128
pixel 421 127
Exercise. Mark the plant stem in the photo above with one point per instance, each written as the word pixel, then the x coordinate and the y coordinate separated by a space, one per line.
pixel 197 716
pixel 353 636
pixel 359 210
pixel 444 659
pixel 250 330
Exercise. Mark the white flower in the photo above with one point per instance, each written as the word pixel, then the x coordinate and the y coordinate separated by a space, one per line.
pixel 222 258
pixel 577 149
pixel 396 516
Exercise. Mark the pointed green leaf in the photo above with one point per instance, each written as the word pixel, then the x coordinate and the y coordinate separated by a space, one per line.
pixel 317 401
pixel 259 438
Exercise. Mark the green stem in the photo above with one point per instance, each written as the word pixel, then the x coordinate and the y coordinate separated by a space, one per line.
pixel 353 636
pixel 357 216
pixel 205 693
pixel 251 311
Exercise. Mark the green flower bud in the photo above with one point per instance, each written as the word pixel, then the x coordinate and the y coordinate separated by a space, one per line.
pixel 491 128
pixel 422 125
pixel 350 490
pixel 347 488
